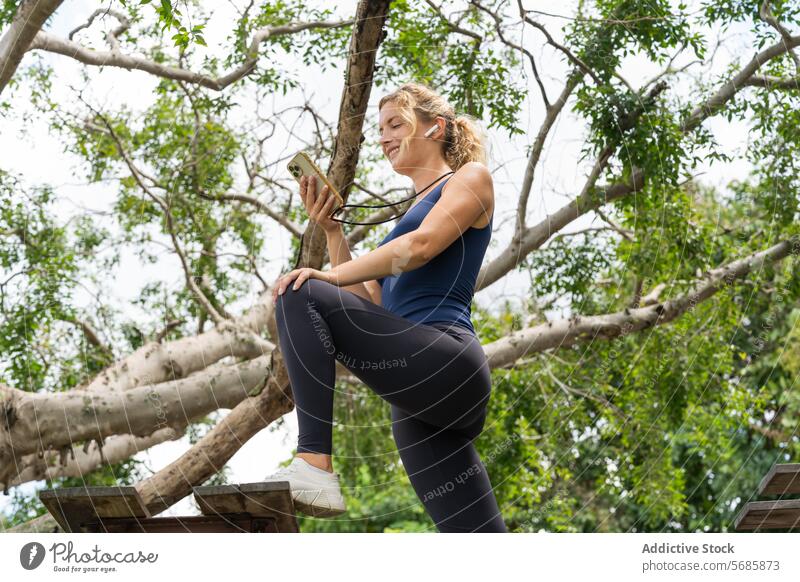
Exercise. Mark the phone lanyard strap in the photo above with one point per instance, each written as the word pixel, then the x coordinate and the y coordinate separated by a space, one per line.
pixel 338 210
pixel 302 236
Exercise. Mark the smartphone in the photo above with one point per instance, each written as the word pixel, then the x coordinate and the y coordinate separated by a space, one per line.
pixel 302 165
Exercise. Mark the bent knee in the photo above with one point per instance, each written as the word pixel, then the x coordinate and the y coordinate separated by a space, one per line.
pixel 292 300
pixel 317 286
pixel 311 288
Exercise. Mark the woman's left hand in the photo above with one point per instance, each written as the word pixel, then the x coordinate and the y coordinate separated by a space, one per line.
pixel 299 276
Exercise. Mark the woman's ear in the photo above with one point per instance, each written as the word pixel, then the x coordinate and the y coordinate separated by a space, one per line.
pixel 437 126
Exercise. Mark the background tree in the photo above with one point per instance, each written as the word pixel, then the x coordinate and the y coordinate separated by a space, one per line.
pixel 647 384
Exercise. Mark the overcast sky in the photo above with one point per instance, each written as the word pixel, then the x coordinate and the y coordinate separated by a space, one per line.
pixel 38 156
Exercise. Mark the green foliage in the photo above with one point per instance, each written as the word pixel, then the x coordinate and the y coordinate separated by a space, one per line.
pixel 568 269
pixel 190 153
pixel 775 148
pixel 316 47
pixel 8 8
pixel 613 29
pixel 670 242
pixel 727 12
pixel 40 261
pixel 171 17
pixel 475 77
pixel 486 90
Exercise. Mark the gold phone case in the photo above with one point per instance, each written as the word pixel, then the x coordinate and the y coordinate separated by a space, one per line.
pixel 302 165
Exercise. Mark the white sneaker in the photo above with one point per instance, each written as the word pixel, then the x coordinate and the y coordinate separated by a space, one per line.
pixel 315 491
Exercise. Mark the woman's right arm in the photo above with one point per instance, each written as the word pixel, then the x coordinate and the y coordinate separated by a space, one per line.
pixel 319 210
pixel 339 252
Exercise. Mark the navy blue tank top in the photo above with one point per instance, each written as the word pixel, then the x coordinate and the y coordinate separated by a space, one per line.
pixel 441 290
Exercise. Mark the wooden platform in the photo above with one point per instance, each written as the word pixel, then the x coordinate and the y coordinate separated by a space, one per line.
pixel 782 479
pixel 246 507
pixel 759 515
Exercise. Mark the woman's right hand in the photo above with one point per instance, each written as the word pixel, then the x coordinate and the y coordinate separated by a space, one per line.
pixel 318 206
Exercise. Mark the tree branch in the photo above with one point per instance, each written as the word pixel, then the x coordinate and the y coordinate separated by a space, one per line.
pixel 765 13
pixel 566 332
pixel 114 58
pixel 90 334
pixel 770 82
pixel 294 228
pixel 735 84
pixel 34 423
pixel 453 26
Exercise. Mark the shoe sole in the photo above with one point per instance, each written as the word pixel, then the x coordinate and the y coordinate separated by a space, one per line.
pixel 315 510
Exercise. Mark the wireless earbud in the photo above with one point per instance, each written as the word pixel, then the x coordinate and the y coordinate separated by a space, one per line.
pixel 431 130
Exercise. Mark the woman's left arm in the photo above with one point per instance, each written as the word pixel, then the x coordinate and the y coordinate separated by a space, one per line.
pixel 470 195
pixel 404 253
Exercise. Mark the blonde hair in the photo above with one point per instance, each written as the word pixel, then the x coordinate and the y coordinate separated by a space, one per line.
pixel 463 138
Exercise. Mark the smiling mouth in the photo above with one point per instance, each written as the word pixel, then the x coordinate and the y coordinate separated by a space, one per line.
pixel 391 151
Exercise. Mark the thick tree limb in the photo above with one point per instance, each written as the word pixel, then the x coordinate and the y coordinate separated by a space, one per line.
pixel 157 362
pixel 116 449
pixel 66 460
pixel 35 422
pixel 29 19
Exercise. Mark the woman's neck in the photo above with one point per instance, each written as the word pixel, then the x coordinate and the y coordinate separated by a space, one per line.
pixel 424 176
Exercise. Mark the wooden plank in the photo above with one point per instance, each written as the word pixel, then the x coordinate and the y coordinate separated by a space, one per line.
pixel 760 515
pixel 260 499
pixel 71 506
pixel 782 479
pixel 231 523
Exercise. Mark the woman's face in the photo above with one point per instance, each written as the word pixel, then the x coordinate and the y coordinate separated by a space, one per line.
pixel 393 129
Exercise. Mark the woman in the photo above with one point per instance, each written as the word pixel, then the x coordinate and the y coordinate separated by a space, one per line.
pixel 399 319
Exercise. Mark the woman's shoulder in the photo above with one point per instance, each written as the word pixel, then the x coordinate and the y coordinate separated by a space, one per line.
pixel 475 177
pixel 477 170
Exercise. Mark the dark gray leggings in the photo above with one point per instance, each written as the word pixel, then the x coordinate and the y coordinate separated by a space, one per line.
pixel 435 377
